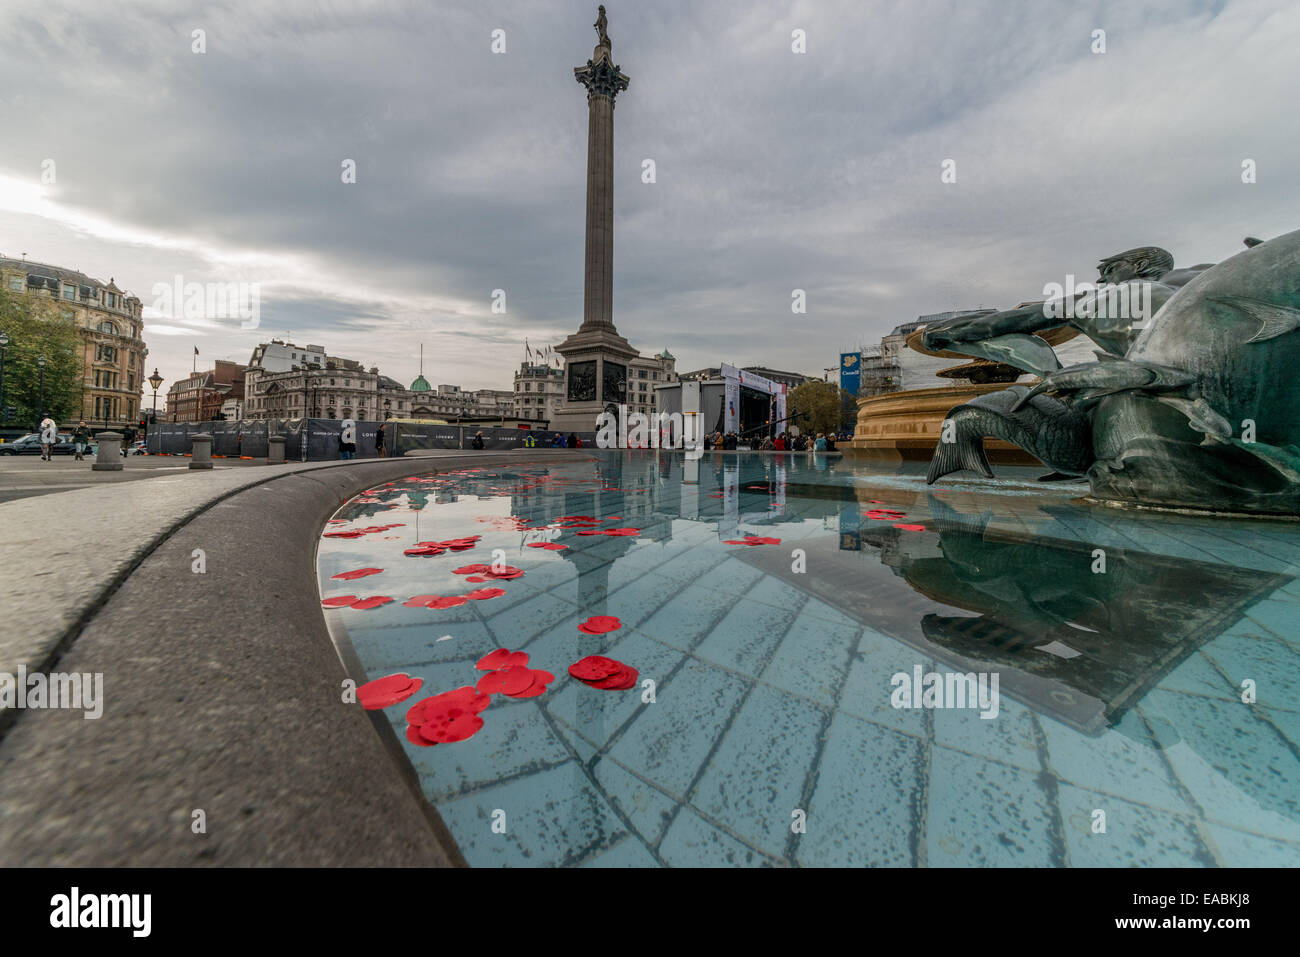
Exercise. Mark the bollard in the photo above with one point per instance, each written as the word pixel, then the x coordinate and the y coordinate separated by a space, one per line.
pixel 108 457
pixel 275 450
pixel 201 451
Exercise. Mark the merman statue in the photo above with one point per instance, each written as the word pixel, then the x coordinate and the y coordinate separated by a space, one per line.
pixel 1201 410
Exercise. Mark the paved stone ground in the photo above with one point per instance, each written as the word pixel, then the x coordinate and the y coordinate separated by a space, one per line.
pixel 222 690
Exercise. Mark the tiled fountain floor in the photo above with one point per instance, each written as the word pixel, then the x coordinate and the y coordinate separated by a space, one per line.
pixel 772 698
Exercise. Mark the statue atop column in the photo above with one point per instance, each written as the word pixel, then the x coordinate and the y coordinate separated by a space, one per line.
pixel 603 49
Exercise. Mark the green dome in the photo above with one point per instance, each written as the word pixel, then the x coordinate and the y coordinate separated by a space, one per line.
pixel 421 384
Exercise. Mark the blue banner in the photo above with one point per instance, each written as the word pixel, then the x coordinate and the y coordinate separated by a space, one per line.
pixel 851 371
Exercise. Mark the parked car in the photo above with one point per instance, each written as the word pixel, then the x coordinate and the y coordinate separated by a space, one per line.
pixel 30 444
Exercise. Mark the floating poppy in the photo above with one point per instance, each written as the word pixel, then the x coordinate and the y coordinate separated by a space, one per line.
pixel 593 668
pixel 911 528
pixel 358 573
pixel 420 601
pixel 625 532
pixel 477 578
pixel 501 658
pixel 507 681
pixel 387 691
pixel 479 594
pixel 365 604
pixel 607 674
pixel 450 601
pixel 477 569
pixel 339 601
pixel 343 534
pixel 600 625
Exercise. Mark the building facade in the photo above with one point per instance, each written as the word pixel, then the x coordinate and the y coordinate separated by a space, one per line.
pixel 110 327
pixel 200 396
pixel 539 392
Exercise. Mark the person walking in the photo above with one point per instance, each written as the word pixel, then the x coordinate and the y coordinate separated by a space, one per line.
pixel 573 440
pixel 477 443
pixel 80 439
pixel 380 450
pixel 49 435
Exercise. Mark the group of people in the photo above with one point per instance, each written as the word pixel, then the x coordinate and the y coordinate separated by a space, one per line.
pixel 784 442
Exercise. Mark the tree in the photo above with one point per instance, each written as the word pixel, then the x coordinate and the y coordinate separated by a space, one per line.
pixel 820 406
pixel 35 328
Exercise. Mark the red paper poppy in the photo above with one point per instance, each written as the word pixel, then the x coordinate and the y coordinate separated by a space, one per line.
pixel 386 691
pixel 450 727
pixel 501 658
pixel 420 601
pixel 621 680
pixel 425 552
pixel 507 571
pixel 358 573
pixel 339 601
pixel 593 668
pixel 365 604
pixel 480 594
pixel 413 735
pixel 342 535
pixel 507 681
pixel 591 532
pixel 607 674
pixel 600 624
pixel 540 680
pixel 450 601
pixel 911 528
pixel 477 578
pixel 464 698
pixel 477 569
pixel 625 532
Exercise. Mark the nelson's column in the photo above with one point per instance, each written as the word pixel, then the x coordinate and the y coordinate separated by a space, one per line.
pixel 596 357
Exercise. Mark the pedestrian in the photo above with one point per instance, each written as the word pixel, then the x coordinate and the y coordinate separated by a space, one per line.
pixel 573 440
pixel 81 438
pixel 49 435
pixel 830 442
pixel 577 440
pixel 558 441
pixel 477 443
pixel 380 450
pixel 779 444
pixel 820 444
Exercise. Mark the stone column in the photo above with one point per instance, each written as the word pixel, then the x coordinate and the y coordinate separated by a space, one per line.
pixel 108 454
pixel 604 81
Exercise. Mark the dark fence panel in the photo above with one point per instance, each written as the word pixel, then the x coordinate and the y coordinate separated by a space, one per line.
pixel 249 437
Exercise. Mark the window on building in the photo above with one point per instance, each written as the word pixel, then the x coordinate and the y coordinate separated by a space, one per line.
pixel 16 283
pixel 641 373
pixel 70 293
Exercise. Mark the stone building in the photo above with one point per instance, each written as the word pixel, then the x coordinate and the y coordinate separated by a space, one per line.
pixel 539 392
pixel 110 326
pixel 200 396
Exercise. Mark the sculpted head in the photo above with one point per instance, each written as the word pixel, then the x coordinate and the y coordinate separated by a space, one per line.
pixel 1144 262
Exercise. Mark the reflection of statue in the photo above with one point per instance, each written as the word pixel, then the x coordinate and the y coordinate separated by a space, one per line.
pixel 1157 425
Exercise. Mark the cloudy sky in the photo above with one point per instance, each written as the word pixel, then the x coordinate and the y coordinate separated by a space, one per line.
pixel 775 170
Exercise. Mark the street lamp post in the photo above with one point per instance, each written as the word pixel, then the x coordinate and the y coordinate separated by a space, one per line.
pixel 40 361
pixel 155 380
pixel 4 341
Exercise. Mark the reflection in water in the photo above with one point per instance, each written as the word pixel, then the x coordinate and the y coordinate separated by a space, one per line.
pixel 1079 622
